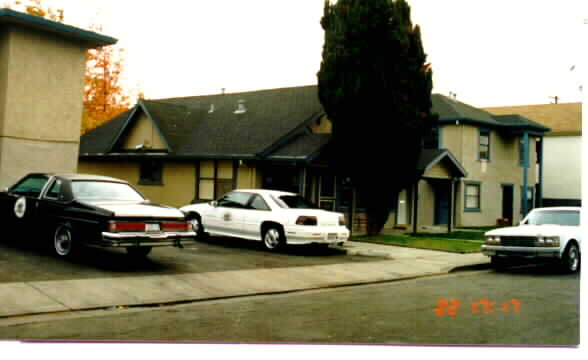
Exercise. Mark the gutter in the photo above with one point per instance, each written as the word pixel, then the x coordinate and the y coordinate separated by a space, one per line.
pixel 8 16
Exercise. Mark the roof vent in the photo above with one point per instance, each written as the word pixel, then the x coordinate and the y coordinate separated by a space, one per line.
pixel 211 110
pixel 241 109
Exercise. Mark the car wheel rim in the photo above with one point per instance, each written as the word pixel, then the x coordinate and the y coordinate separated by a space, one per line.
pixel 195 225
pixel 62 241
pixel 573 259
pixel 272 238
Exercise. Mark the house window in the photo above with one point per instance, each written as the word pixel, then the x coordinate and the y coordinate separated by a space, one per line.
pixel 151 173
pixel 484 146
pixel 472 197
pixel 215 178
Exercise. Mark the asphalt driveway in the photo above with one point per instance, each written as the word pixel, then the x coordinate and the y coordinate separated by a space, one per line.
pixel 27 261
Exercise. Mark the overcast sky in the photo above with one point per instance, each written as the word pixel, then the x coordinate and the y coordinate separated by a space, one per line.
pixel 490 53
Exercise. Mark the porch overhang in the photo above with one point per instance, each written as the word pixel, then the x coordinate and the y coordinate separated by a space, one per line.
pixel 429 158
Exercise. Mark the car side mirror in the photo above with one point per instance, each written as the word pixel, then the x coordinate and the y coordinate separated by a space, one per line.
pixel 214 203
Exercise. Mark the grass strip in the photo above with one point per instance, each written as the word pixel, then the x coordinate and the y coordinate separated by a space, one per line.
pixel 431 243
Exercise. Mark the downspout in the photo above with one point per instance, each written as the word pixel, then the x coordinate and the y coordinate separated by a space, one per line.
pixel 540 185
pixel 451 191
pixel 525 172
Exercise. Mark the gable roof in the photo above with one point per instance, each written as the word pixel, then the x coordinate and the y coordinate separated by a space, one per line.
pixel 209 127
pixel 273 125
pixel 452 111
pixel 431 157
pixel 563 119
pixel 89 38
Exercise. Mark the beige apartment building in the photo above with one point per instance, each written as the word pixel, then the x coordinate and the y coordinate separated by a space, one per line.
pixel 193 149
pixel 42 66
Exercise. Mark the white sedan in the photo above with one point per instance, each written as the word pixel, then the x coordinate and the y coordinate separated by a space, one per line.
pixel 545 233
pixel 275 217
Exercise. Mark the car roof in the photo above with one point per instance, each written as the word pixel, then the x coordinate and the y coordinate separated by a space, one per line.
pixel 88 177
pixel 559 208
pixel 266 192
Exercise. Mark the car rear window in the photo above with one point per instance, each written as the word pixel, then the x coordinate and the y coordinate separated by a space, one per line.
pixel 555 217
pixel 103 190
pixel 293 202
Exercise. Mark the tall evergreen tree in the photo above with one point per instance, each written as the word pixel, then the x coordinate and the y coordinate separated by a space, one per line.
pixel 375 86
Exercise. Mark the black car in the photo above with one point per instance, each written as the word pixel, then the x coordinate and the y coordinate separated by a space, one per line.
pixel 74 209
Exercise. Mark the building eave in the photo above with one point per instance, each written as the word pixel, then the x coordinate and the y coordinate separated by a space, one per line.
pixel 91 39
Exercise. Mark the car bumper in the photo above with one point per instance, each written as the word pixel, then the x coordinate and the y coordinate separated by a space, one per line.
pixel 299 235
pixel 521 252
pixel 145 239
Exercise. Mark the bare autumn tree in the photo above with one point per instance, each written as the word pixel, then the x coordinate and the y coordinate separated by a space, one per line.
pixel 104 95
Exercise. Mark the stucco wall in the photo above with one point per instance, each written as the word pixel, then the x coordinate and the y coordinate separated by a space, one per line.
pixel 41 90
pixel 502 168
pixel 563 167
pixel 18 157
pixel 178 187
pixel 144 132
pixel 248 177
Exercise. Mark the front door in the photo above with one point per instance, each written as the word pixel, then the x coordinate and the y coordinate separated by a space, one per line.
pixel 507 202
pixel 442 193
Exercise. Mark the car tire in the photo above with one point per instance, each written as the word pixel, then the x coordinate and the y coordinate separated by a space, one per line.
pixel 498 263
pixel 273 238
pixel 570 261
pixel 196 223
pixel 63 243
pixel 138 252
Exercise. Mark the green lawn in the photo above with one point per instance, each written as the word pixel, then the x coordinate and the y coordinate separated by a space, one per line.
pixel 463 235
pixel 426 242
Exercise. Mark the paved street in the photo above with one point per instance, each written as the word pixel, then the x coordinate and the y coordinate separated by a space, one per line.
pixel 534 305
pixel 31 262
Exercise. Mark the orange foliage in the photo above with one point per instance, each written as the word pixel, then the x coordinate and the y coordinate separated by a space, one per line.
pixel 104 96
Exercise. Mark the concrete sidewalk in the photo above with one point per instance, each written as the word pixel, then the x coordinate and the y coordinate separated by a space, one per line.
pixel 26 298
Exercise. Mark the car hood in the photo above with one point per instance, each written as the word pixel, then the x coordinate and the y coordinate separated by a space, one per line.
pixel 136 209
pixel 533 230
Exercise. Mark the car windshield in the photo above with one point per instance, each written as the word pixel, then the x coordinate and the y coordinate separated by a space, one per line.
pixel 293 202
pixel 554 217
pixel 103 190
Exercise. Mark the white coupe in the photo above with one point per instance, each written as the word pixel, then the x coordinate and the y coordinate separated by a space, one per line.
pixel 276 218
pixel 545 233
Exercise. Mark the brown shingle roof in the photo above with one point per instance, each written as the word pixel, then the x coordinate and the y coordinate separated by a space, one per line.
pixel 563 119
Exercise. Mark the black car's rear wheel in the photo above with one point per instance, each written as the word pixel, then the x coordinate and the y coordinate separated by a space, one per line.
pixel 139 251
pixel 63 241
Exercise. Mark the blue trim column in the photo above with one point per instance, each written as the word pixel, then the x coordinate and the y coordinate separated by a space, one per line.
pixel 539 193
pixel 525 209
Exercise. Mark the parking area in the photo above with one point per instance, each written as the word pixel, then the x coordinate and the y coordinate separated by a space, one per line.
pixel 28 261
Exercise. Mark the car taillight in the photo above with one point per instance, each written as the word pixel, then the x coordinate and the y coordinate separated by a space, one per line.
pixel 307 220
pixel 176 226
pixel 126 226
